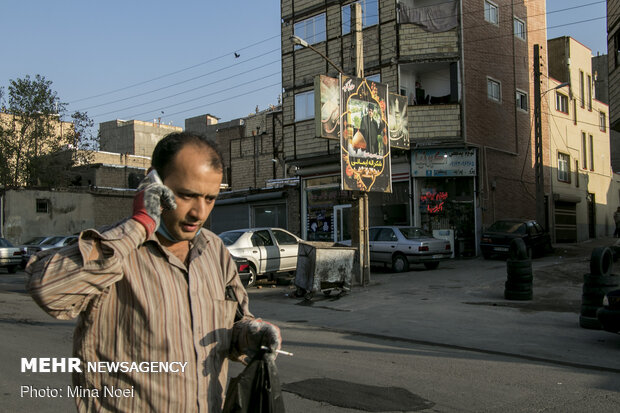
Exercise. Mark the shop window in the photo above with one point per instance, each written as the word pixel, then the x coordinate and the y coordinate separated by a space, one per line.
pixel 311 30
pixel 370 14
pixel 269 216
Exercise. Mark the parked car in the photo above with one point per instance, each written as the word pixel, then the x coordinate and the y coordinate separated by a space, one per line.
pixel 270 251
pixel 30 247
pixel 10 256
pixel 52 242
pixel 401 246
pixel 496 239
pixel 609 314
pixel 243 268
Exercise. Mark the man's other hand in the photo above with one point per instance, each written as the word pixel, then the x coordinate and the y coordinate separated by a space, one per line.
pixel 249 335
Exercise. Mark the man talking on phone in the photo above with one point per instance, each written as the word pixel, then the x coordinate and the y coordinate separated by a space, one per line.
pixel 157 292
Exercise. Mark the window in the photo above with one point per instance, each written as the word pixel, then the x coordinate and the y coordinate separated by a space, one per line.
pixel 561 102
pixel 311 30
pixel 494 90
pixel 591 153
pixel 304 106
pixel 589 87
pixel 522 100
pixel 262 239
pixel 602 121
pixel 43 206
pixel 584 150
pixel 370 14
pixel 269 216
pixel 284 238
pixel 519 27
pixel 563 167
pixel 491 12
pixel 387 234
pixel 577 173
pixel 582 90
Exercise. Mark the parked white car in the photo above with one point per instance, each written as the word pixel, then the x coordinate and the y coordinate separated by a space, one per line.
pixel 269 251
pixel 10 256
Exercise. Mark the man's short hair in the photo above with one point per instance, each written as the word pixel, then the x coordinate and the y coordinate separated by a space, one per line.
pixel 171 144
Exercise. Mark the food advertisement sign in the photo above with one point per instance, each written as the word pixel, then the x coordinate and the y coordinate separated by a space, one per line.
pixel 327 107
pixel 365 143
pixel 398 121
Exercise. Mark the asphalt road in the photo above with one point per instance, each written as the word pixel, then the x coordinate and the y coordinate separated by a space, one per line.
pixel 435 341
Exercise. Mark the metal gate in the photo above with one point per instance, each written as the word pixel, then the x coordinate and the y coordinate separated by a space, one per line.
pixel 565 221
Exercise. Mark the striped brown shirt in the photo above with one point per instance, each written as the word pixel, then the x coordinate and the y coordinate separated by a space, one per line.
pixel 139 304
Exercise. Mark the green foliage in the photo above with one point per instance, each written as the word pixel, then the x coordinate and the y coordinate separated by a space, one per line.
pixel 32 129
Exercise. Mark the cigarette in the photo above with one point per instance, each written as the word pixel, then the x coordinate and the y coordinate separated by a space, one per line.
pixel 286 353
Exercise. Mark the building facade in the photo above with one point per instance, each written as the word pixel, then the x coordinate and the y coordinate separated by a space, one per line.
pixel 466 68
pixel 583 188
pixel 133 137
pixel 613 62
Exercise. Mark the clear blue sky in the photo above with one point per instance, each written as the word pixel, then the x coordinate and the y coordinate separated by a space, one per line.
pixel 135 59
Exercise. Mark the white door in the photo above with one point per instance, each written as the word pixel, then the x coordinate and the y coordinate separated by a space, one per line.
pixel 342 222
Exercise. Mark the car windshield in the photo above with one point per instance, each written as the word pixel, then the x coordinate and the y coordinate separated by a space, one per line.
pixel 230 238
pixel 511 227
pixel 52 241
pixel 413 232
pixel 35 241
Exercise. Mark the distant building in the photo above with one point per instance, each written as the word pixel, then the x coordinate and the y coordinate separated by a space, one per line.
pixel 583 192
pixel 134 137
pixel 613 49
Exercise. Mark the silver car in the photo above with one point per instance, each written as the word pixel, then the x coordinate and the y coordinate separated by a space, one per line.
pixel 401 246
pixel 268 250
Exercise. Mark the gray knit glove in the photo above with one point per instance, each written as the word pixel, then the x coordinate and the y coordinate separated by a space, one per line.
pixel 249 335
pixel 151 197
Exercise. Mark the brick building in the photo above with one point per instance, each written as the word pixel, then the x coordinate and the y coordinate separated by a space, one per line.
pixel 466 68
pixel 134 137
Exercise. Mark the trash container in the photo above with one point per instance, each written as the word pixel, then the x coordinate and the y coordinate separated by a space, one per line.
pixel 323 266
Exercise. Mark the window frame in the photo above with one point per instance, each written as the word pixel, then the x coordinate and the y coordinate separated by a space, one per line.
pixel 491 7
pixel 492 82
pixel 309 111
pixel 591 144
pixel 582 89
pixel 317 36
pixel 523 32
pixel 345 23
pixel 584 150
pixel 519 100
pixel 561 98
pixel 602 121
pixel 42 206
pixel 563 174
pixel 589 89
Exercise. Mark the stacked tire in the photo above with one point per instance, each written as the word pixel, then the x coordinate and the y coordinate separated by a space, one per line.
pixel 520 279
pixel 598 282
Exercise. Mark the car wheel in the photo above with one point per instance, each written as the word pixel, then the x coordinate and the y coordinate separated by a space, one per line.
pixel 431 265
pixel 252 279
pixel 12 269
pixel 399 263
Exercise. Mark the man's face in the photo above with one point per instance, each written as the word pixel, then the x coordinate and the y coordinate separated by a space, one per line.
pixel 195 185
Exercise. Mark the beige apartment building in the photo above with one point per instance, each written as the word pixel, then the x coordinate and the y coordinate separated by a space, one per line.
pixel 585 193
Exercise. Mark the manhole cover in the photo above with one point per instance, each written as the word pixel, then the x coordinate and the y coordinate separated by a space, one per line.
pixel 358 396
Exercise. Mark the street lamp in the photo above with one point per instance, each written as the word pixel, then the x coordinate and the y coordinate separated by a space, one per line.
pixel 301 42
pixel 560 86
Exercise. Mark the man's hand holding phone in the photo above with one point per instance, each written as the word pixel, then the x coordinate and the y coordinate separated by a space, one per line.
pixel 151 198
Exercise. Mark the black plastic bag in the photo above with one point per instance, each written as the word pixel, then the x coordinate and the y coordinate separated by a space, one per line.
pixel 256 389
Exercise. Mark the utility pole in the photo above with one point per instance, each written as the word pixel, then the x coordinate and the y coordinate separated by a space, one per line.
pixel 541 215
pixel 360 211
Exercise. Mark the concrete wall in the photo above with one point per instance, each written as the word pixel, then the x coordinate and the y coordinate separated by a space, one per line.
pixel 134 137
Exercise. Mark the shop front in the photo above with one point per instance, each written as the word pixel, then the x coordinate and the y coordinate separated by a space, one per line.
pixel 444 188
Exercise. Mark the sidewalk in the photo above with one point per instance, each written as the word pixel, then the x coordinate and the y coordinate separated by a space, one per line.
pixel 461 305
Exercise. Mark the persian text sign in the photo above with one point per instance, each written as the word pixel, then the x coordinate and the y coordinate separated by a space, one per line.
pixel 364 146
pixel 444 162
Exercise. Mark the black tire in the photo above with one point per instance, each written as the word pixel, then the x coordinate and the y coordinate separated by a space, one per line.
pixel 520 278
pixel 12 269
pixel 518 295
pixel 518 249
pixel 611 280
pixel 518 272
pixel 609 319
pixel 400 263
pixel 590 323
pixel 592 299
pixel 525 263
pixel 588 310
pixel 431 265
pixel 601 261
pixel 517 287
pixel 252 280
pixel 597 291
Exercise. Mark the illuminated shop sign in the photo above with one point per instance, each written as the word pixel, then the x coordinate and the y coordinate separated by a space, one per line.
pixel 444 162
pixel 433 202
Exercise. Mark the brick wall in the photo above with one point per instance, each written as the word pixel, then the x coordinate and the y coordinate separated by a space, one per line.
pixel 416 42
pixel 434 121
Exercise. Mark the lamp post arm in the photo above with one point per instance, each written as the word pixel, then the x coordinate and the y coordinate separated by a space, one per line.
pixel 298 41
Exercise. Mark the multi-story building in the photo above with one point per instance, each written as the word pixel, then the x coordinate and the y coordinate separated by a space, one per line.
pixel 584 198
pixel 134 137
pixel 466 68
pixel 613 61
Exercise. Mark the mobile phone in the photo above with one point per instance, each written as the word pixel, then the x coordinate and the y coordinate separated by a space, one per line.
pixel 153 176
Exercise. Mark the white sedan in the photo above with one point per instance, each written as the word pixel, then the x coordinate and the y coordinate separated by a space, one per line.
pixel 269 250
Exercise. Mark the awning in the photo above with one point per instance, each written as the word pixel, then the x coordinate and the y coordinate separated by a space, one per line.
pixel 251 198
